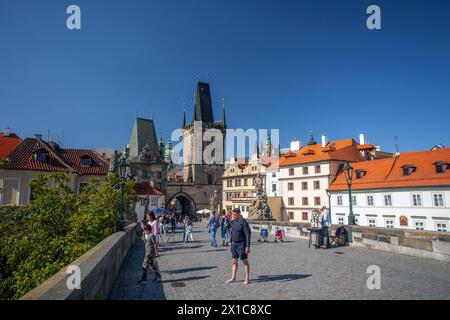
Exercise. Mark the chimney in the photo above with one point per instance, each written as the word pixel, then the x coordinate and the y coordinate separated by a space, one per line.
pixel 37 136
pixel 362 139
pixel 7 132
pixel 324 141
pixel 295 145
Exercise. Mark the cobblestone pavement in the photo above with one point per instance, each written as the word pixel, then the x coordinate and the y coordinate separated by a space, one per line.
pixel 288 270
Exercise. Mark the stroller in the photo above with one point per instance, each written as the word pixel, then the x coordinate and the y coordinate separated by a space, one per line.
pixel 279 234
pixel 263 234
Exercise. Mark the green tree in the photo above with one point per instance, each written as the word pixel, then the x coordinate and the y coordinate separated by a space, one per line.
pixel 57 227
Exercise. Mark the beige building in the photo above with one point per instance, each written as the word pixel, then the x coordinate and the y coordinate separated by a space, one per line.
pixel 238 180
pixel 34 156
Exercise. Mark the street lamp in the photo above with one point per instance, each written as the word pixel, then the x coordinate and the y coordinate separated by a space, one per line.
pixel 123 166
pixel 349 176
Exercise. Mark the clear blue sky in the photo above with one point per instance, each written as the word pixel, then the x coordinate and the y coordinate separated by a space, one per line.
pixel 293 65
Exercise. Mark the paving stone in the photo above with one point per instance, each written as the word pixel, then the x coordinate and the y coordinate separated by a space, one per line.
pixel 288 270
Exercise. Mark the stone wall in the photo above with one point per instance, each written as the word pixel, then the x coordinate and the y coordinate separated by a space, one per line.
pixel 425 244
pixel 99 269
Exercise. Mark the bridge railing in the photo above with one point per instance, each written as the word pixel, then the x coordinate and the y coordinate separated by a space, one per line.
pixel 98 268
pixel 427 244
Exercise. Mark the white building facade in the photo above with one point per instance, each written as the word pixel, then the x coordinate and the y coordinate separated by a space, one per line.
pixel 421 208
pixel 409 191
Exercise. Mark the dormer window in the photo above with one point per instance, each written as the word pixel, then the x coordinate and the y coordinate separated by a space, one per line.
pixel 41 156
pixel 360 173
pixel 86 162
pixel 408 170
pixel 441 166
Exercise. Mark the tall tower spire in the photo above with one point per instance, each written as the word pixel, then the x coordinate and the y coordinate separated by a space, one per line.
pixel 224 120
pixel 184 115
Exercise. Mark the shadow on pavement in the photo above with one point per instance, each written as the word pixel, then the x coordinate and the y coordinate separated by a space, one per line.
pixel 163 249
pixel 189 270
pixel 185 279
pixel 281 278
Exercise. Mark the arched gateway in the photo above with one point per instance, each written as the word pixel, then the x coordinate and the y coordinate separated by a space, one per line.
pixel 181 202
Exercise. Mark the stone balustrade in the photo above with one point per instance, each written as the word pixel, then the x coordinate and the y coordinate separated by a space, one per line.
pixel 426 244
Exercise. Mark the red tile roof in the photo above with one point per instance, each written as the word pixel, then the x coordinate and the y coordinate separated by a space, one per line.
pixel 145 189
pixel 388 173
pixel 59 160
pixel 337 150
pixel 8 144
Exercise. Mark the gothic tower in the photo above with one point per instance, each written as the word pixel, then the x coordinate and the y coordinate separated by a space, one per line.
pixel 196 169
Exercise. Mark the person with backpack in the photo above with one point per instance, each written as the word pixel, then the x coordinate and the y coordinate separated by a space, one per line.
pixel 212 226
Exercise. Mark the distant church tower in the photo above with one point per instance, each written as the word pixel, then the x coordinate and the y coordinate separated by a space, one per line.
pixel 195 169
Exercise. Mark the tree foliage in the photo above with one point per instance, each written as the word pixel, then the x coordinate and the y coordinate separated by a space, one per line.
pixel 56 227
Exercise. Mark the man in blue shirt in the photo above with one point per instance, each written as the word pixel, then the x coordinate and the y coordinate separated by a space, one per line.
pixel 212 226
pixel 240 245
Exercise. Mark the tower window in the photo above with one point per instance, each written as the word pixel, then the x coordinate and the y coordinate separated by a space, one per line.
pixel 210 179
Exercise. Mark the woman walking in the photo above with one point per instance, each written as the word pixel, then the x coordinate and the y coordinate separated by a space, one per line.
pixel 188 228
pixel 153 222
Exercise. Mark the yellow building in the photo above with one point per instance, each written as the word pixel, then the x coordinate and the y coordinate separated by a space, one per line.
pixel 238 180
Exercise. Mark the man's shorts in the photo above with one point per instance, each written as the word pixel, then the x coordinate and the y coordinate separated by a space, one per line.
pixel 238 251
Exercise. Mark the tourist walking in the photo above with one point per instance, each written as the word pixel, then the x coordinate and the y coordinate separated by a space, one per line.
pixel 155 228
pixel 326 223
pixel 224 226
pixel 212 226
pixel 150 255
pixel 188 228
pixel 173 223
pixel 240 245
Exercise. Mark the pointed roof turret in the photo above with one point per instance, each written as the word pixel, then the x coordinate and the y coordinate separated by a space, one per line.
pixel 203 104
pixel 311 140
pixel 224 120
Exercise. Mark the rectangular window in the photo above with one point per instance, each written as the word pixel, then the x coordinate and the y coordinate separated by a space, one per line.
pixel 417 200
pixel 291 171
pixel 356 219
pixel 354 200
pixel 340 220
pixel 317 169
pixel 339 200
pixel 389 223
pixel 81 186
pixel 388 200
pixel 11 191
pixel 86 162
pixel 305 201
pixel 291 215
pixel 305 185
pixel 274 187
pixel 442 226
pixel 317 201
pixel 438 199
pixel 305 170
pixel 316 185
pixel 370 200
pixel 419 225
pixel 158 174
pixel 372 222
pixel 273 175
pixel 245 181
pixel 210 179
pixel 291 201
pixel 290 186
pixel 305 216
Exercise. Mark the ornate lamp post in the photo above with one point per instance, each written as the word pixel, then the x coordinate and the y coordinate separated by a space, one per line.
pixel 349 176
pixel 123 166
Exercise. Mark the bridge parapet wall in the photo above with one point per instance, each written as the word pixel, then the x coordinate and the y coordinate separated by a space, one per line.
pixel 99 269
pixel 426 244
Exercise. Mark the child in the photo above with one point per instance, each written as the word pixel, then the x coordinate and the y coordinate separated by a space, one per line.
pixel 150 255
pixel 188 229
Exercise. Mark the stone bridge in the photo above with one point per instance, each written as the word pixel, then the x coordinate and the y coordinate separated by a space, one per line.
pixel 413 265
